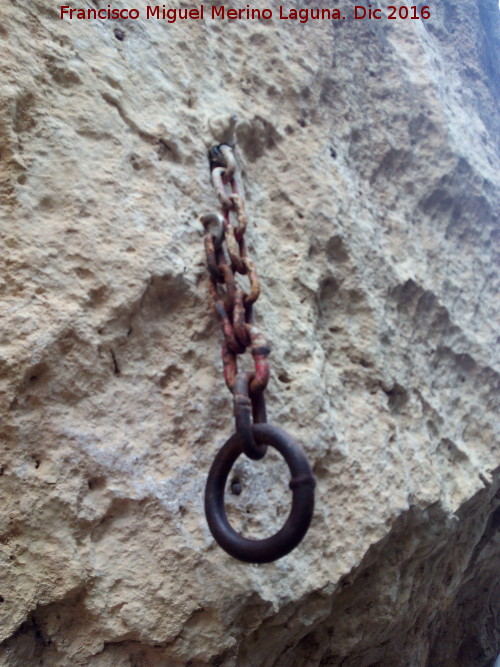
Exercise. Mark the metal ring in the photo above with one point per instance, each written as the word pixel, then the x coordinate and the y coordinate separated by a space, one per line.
pixel 302 485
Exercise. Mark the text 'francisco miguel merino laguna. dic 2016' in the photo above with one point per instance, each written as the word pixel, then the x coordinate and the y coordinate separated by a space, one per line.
pixel 173 14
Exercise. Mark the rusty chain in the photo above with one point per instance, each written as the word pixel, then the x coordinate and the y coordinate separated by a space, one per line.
pixel 227 256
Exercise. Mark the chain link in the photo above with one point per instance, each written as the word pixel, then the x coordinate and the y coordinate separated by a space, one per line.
pixel 227 255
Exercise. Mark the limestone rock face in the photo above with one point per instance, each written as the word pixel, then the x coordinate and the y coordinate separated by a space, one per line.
pixel 368 155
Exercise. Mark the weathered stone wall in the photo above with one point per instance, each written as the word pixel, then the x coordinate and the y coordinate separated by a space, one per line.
pixel 369 157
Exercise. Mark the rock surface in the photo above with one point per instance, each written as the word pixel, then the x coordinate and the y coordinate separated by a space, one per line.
pixel 368 153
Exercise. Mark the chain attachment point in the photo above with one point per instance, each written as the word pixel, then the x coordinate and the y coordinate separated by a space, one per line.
pixel 243 419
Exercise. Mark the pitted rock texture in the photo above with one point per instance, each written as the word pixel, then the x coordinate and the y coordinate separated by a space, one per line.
pixel 368 154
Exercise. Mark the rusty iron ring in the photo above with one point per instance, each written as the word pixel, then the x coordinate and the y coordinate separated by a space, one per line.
pixel 302 485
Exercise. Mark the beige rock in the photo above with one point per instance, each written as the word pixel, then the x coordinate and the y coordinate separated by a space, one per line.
pixel 368 156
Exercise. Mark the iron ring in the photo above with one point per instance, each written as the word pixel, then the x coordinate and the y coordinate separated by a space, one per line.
pixel 302 485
